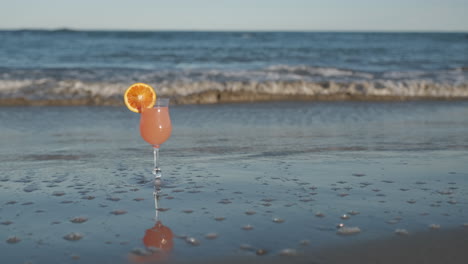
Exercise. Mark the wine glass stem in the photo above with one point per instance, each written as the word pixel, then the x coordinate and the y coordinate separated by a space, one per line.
pixel 156 171
pixel 156 195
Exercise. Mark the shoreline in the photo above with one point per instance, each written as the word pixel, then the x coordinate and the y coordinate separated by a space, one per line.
pixel 76 92
pixel 225 97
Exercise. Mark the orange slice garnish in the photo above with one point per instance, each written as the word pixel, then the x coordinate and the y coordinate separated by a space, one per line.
pixel 139 96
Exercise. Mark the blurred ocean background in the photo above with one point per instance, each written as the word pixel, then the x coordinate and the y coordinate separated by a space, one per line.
pixel 95 67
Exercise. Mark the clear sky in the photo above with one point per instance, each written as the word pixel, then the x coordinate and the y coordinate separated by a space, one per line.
pixel 309 15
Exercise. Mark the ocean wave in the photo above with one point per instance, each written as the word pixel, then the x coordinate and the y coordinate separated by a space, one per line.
pixel 270 73
pixel 48 91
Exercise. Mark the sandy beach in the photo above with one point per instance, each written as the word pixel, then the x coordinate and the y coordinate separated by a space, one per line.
pixel 430 247
pixel 242 181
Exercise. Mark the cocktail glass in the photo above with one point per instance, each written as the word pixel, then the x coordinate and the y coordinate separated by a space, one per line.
pixel 156 128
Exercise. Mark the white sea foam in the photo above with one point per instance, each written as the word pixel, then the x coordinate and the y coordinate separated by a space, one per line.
pixel 43 90
pixel 106 86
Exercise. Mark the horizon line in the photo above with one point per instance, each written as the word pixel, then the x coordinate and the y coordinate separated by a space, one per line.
pixel 241 30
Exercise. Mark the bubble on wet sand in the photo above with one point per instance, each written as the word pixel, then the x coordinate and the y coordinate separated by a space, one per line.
pixel 88 197
pixel 445 192
pixel 73 236
pixel 247 227
pixel 78 220
pixel 434 226
pixel 192 241
pixel 58 193
pixel 344 217
pixel 288 252
pixel 138 199
pixel 453 201
pixel 319 214
pixel 225 201
pixel 411 201
pixel 13 240
pixel 114 199
pixel 187 211
pixel 352 212
pixel 211 236
pixel 219 219
pixel 31 188
pixel 250 212
pixel 401 232
pixel 118 212
pixel 345 231
pixel 278 220
pixel 365 184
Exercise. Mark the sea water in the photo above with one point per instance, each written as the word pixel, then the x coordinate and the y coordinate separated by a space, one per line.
pixel 95 67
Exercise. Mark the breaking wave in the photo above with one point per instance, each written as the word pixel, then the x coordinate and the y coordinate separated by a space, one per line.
pixel 280 82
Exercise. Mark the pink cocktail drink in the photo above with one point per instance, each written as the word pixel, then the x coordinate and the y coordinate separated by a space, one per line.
pixel 155 125
pixel 156 128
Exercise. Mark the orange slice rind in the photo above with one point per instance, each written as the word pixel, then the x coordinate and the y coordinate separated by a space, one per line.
pixel 139 96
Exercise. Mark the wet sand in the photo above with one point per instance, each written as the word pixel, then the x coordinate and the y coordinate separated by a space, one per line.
pixel 241 180
pixel 431 247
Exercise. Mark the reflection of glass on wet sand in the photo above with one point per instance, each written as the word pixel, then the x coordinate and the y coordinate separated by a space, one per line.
pixel 248 180
pixel 158 240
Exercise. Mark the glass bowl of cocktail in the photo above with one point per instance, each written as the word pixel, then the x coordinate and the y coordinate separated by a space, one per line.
pixel 155 121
